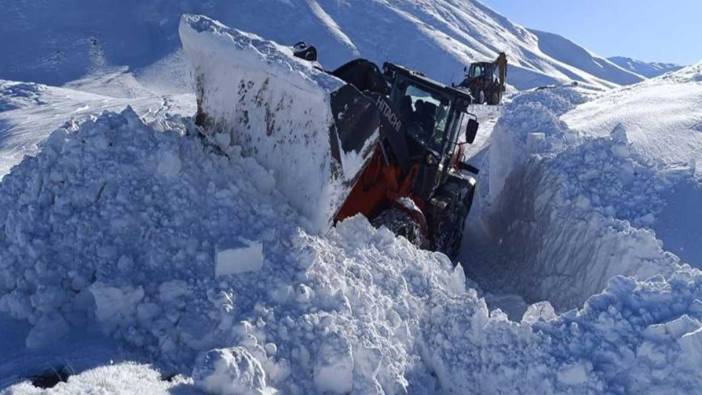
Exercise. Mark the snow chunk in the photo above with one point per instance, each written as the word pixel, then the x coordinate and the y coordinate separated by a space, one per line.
pixel 691 348
pixel 538 312
pixel 171 290
pixel 239 260
pixel 230 371
pixel 114 306
pixel 673 329
pixel 573 374
pixel 50 328
pixel 169 164
pixel 334 370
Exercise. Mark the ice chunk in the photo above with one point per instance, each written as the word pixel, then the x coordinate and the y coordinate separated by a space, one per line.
pixel 248 258
pixel 230 371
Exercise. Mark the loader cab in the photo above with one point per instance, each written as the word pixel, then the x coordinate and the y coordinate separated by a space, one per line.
pixel 434 118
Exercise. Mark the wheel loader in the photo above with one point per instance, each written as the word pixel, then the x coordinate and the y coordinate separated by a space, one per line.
pixel 386 143
pixel 415 183
pixel 486 80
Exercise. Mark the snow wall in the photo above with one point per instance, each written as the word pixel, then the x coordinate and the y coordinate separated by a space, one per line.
pixel 571 211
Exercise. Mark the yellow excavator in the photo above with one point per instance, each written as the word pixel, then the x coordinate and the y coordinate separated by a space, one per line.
pixel 487 80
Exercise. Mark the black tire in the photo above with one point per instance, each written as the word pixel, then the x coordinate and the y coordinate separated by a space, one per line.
pixel 481 97
pixel 402 224
pixel 447 224
pixel 495 98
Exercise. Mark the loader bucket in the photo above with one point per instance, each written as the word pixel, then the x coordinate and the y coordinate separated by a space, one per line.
pixel 311 130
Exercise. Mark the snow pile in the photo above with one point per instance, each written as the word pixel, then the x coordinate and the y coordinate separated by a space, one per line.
pixel 112 239
pixel 117 224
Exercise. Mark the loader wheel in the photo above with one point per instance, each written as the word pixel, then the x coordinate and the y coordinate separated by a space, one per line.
pixel 481 97
pixel 495 98
pixel 402 224
pixel 447 224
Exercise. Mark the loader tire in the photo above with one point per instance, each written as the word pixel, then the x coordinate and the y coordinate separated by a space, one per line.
pixel 494 98
pixel 447 224
pixel 402 224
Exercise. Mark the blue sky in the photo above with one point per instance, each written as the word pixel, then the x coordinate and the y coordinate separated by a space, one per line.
pixel 662 31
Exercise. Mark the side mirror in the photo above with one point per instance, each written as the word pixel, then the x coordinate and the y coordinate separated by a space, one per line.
pixel 471 130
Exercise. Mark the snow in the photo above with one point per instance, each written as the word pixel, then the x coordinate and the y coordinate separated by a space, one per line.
pixel 239 260
pixel 356 308
pixel 124 378
pixel 116 232
pixel 78 38
pixel 230 372
pixel 646 69
pixel 572 54
pixel 298 128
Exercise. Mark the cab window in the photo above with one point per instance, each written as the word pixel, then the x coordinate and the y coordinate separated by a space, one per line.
pixel 425 114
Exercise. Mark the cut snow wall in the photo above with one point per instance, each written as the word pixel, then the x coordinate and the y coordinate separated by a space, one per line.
pixel 567 211
pixel 255 95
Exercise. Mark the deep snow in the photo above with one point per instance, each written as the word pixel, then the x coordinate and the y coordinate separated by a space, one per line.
pixel 356 310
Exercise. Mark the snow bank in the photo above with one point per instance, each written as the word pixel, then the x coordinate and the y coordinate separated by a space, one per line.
pixel 568 210
pixel 94 233
pixel 254 96
pixel 660 121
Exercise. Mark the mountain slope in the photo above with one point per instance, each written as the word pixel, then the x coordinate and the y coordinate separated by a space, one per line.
pixel 646 69
pixel 570 53
pixel 57 43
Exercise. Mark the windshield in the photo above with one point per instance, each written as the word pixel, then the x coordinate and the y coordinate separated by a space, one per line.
pixel 475 71
pixel 425 115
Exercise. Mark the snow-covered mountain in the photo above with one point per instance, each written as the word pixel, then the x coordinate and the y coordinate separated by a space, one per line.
pixel 57 42
pixel 646 69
